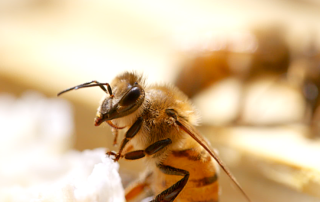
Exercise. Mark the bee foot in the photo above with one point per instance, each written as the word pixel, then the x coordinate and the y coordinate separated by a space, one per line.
pixel 116 156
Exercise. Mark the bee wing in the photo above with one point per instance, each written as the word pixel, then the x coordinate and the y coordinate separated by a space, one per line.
pixel 192 131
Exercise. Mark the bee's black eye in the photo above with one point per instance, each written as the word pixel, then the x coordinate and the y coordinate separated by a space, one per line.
pixel 130 97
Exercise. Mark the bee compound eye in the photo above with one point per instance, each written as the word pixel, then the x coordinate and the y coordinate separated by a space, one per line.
pixel 130 97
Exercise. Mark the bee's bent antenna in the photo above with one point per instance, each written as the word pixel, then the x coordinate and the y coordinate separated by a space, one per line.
pixel 89 84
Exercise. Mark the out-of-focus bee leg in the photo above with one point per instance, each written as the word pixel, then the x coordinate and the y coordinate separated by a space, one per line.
pixel 150 150
pixel 115 133
pixel 133 130
pixel 114 130
pixel 172 192
pixel 139 187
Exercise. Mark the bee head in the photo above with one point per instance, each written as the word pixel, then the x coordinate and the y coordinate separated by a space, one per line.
pixel 128 95
pixel 124 96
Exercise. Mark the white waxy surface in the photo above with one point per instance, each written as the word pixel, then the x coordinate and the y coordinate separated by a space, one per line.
pixel 36 163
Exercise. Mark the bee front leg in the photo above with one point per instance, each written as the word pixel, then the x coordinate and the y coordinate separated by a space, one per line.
pixel 150 150
pixel 133 130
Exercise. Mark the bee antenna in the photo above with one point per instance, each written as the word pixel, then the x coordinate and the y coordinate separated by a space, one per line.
pixel 89 84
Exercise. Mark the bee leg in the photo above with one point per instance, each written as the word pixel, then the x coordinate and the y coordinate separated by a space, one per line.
pixel 115 133
pixel 150 150
pixel 138 188
pixel 172 192
pixel 133 130
pixel 114 130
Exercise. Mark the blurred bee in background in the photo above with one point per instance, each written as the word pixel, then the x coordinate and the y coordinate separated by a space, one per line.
pixel 242 54
pixel 160 121
pixel 250 56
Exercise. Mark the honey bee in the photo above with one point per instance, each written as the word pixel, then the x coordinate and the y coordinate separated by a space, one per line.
pixel 264 53
pixel 161 128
